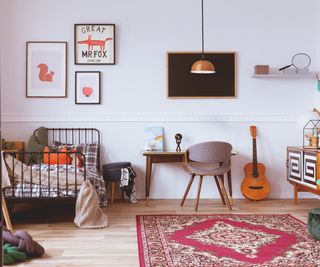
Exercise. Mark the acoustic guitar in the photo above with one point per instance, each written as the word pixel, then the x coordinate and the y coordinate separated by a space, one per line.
pixel 255 185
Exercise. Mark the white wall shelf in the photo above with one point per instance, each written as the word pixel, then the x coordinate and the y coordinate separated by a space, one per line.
pixel 311 75
pixel 275 73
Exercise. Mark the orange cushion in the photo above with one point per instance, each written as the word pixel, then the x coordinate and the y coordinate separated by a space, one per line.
pixel 55 158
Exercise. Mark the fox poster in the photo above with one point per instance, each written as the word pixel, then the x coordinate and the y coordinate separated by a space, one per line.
pixel 94 44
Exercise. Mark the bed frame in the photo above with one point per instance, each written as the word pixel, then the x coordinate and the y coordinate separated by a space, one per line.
pixel 72 136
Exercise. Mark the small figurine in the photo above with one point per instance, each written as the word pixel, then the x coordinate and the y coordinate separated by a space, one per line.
pixel 178 138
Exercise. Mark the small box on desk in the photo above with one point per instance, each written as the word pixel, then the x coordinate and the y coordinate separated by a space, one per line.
pixel 261 69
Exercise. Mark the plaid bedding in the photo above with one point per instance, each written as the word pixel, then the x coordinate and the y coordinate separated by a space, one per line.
pixel 35 190
pixel 90 151
pixel 97 180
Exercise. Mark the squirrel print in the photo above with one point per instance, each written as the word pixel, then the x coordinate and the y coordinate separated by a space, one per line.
pixel 45 75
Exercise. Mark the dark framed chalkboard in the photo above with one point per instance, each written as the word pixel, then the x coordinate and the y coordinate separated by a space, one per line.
pixel 184 84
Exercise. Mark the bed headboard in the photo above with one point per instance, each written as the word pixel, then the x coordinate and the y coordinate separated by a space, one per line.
pixel 73 136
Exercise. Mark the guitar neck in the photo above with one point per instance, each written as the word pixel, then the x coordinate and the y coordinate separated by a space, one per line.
pixel 254 158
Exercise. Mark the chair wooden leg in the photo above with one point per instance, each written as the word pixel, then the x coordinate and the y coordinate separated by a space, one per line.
pixel 296 190
pixel 224 191
pixel 6 214
pixel 219 189
pixel 230 186
pixel 199 190
pixel 112 190
pixel 187 190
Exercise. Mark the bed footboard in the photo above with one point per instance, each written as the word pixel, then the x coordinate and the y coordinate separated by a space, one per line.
pixel 35 180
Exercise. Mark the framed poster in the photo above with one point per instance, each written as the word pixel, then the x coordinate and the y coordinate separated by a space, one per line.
pixel 94 44
pixel 87 87
pixel 184 84
pixel 153 138
pixel 46 69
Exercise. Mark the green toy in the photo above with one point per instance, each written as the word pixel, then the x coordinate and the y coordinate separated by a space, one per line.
pixel 314 223
pixel 12 254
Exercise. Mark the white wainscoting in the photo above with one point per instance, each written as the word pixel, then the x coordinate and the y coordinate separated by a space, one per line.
pixel 118 117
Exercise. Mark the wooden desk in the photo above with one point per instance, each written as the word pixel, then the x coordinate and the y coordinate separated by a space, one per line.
pixel 166 157
pixel 159 157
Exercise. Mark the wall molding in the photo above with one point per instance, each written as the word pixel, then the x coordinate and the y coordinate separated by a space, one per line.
pixel 145 117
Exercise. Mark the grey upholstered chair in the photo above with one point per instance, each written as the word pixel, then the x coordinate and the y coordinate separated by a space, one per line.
pixel 209 159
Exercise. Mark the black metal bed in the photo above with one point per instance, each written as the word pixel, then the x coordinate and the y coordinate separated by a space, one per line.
pixel 44 191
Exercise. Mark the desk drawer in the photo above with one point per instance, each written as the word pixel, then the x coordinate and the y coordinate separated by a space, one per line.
pixel 167 158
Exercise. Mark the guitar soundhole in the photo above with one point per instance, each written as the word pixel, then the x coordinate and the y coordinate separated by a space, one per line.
pixel 256 187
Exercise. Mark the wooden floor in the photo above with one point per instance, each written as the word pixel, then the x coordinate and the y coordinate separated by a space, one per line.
pixel 115 246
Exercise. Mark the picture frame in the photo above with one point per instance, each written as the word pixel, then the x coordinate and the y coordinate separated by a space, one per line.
pixel 94 44
pixel 46 69
pixel 87 87
pixel 153 139
pixel 184 84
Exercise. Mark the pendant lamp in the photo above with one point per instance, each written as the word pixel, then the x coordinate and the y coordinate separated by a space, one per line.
pixel 202 66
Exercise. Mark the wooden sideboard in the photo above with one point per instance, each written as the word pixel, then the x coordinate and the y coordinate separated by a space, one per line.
pixel 303 170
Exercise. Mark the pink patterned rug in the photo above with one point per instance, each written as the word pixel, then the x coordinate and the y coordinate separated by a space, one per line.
pixel 225 240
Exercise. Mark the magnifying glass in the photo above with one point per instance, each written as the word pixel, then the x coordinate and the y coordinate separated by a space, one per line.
pixel 300 61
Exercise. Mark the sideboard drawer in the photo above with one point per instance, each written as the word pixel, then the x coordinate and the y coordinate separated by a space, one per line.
pixel 295 165
pixel 310 169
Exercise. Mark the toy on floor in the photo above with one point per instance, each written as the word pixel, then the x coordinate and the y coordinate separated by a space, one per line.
pixel 19 246
pixel 12 254
pixel 314 223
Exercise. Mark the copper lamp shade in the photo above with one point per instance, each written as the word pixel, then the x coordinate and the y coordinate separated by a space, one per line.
pixel 202 66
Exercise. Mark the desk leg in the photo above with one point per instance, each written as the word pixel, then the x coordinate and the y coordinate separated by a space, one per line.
pixel 230 185
pixel 296 190
pixel 6 214
pixel 148 177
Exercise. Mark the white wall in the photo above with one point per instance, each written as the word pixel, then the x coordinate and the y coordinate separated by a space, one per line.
pixel 134 90
pixel 317 61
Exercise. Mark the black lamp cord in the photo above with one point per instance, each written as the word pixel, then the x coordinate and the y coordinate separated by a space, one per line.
pixel 202 54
